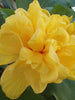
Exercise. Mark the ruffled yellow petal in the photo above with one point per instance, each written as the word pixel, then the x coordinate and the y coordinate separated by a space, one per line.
pixel 72 40
pixel 67 56
pixel 67 19
pixel 52 60
pixel 21 25
pixel 6 58
pixel 37 63
pixel 33 58
pixel 13 81
pixel 32 12
pixel 21 11
pixel 52 42
pixel 46 12
pixel 71 75
pixel 42 23
pixel 57 21
pixel 42 68
pixel 43 20
pixel 33 78
pixel 10 45
pixel 71 28
pixel 60 35
pixel 63 73
pixel 51 57
pixel 30 57
pixel 36 43
pixel 41 15
pixel 50 75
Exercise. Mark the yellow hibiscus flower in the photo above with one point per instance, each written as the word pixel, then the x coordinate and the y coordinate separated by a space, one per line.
pixel 41 48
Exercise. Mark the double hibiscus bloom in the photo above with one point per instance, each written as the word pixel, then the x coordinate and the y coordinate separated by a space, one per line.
pixel 41 48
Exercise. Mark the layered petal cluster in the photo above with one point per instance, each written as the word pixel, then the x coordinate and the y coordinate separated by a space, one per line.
pixel 41 48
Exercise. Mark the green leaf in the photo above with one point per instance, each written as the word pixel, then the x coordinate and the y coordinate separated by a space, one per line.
pixel 2 68
pixel 23 3
pixel 49 8
pixel 30 95
pixel 63 91
pixel 72 3
pixel 27 95
pixel 59 9
pixel 51 3
pixel 6 12
pixel 45 3
pixel 1 19
pixel 9 4
pixel 2 96
pixel 73 19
